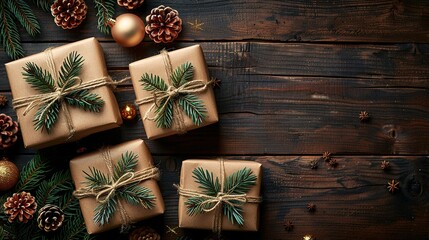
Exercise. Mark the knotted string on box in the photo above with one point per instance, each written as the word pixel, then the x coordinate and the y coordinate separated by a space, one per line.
pixel 219 200
pixel 194 86
pixel 103 193
pixel 30 102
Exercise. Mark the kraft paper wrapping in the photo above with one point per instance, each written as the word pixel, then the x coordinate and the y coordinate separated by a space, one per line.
pixel 205 220
pixel 85 123
pixel 155 65
pixel 87 205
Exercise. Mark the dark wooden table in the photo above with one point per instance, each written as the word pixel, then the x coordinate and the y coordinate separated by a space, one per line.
pixel 295 76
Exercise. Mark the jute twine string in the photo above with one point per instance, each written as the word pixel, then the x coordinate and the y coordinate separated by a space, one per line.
pixel 103 193
pixel 218 200
pixel 30 102
pixel 194 86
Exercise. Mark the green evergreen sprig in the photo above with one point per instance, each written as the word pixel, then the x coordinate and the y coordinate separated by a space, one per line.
pixel 44 4
pixel 41 80
pixel 40 178
pixel 10 12
pixel 105 11
pixel 133 193
pixel 190 104
pixel 239 182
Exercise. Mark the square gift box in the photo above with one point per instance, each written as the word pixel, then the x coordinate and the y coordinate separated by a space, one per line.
pixel 72 122
pixel 212 214
pixel 183 88
pixel 106 161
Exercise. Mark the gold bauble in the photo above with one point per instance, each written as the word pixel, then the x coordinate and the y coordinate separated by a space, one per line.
pixel 9 175
pixel 128 112
pixel 127 29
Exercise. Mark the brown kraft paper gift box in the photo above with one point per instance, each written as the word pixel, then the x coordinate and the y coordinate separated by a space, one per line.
pixel 205 220
pixel 155 65
pixel 94 159
pixel 84 122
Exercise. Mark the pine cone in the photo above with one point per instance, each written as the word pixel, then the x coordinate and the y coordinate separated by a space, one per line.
pixel 21 205
pixel 69 13
pixel 9 130
pixel 130 4
pixel 144 233
pixel 163 24
pixel 50 218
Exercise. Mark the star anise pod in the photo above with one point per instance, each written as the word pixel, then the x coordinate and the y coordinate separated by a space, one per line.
pixel 385 165
pixel 327 156
pixel 288 225
pixel 216 82
pixel 363 116
pixel 314 164
pixel 311 207
pixel 333 163
pixel 392 186
pixel 3 100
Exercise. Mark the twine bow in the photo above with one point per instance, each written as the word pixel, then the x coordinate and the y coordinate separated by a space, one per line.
pixel 194 86
pixel 103 193
pixel 47 99
pixel 221 198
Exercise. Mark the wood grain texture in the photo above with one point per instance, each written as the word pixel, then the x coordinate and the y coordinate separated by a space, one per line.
pixel 276 20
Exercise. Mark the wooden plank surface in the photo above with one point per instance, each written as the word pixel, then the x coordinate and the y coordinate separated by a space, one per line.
pixel 295 75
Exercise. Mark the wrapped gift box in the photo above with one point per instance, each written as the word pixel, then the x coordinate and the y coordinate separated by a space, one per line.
pixel 83 122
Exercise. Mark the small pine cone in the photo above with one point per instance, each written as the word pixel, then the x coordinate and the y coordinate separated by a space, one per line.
pixel 9 130
pixel 21 205
pixel 50 218
pixel 130 4
pixel 69 14
pixel 163 24
pixel 144 233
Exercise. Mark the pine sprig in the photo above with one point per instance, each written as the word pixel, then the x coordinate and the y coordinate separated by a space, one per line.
pixel 32 174
pixel 47 114
pixel 105 11
pixel 239 182
pixel 190 104
pixel 45 5
pixel 10 39
pixel 48 191
pixel 132 193
pixel 25 16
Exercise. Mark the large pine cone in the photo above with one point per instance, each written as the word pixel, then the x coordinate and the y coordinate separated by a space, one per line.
pixel 21 205
pixel 69 13
pixel 144 233
pixel 9 130
pixel 50 218
pixel 163 24
pixel 130 4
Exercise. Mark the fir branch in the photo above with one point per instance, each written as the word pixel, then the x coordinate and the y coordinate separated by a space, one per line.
pixel 105 11
pixel 193 108
pixel 39 79
pixel 182 74
pixel 73 229
pixel 240 182
pixel 46 116
pixel 104 211
pixel 85 100
pixel 164 117
pixel 95 178
pixel 48 192
pixel 206 180
pixel 32 174
pixel 137 195
pixel 45 5
pixel 10 39
pixel 69 204
pixel 127 163
pixel 153 83
pixel 70 69
pixel 196 205
pixel 25 16
pixel 234 213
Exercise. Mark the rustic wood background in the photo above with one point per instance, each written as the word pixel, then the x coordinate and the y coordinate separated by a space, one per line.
pixel 295 75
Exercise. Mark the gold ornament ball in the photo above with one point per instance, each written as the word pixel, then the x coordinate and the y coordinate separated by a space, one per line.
pixel 308 237
pixel 127 29
pixel 128 112
pixel 9 175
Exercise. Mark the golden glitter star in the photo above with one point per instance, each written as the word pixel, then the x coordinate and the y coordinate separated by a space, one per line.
pixel 392 185
pixel 171 229
pixel 196 25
